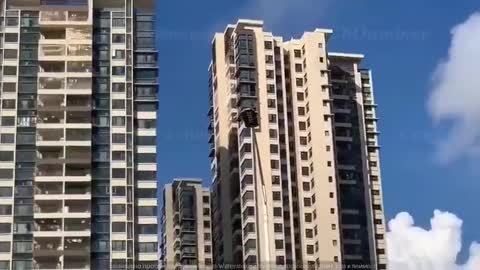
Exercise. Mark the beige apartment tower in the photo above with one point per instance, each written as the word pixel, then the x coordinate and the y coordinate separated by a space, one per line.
pixel 294 151
pixel 186 237
pixel 77 136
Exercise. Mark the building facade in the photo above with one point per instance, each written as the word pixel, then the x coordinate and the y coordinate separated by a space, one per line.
pixel 186 238
pixel 296 182
pixel 77 152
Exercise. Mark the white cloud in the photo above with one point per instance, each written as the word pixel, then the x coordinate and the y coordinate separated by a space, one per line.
pixel 414 248
pixel 280 15
pixel 455 97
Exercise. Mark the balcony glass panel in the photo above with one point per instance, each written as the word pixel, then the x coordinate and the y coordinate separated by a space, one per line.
pixel 77 224
pixel 51 117
pixel 79 50
pixel 52 50
pixel 78 16
pixel 79 66
pixel 53 16
pixel 51 83
pixel 49 135
pixel 48 188
pixel 79 83
pixel 79 33
pixel 48 225
pixel 49 170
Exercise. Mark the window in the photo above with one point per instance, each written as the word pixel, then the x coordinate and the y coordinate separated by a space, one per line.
pixel 147 247
pixel 331 195
pixel 299 82
pixel 308 217
pixel 10 54
pixel 5 228
pixel 118 38
pixel 273 133
pixel 118 173
pixel 272 118
pixel 10 70
pixel 118 227
pixel 298 68
pixel 118 245
pixel 11 37
pixel 310 249
pixel 300 97
pixel 297 53
pixel 277 196
pixel 304 155
pixel 6 174
pixel 278 227
pixel 277 211
pixel 208 249
pixel 118 138
pixel 118 121
pixel 268 45
pixel 302 125
pixel 274 149
pixel 147 211
pixel 6 156
pixel 9 87
pixel 118 104
pixel 118 87
pixel 271 103
pixel 118 190
pixel 275 164
pixel 321 60
pixel 279 244
pixel 206 224
pixel 118 209
pixel 118 71
pixel 4 247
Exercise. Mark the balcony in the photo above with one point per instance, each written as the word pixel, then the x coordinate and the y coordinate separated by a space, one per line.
pixel 47 244
pixel 79 83
pixel 77 170
pixel 77 224
pixel 52 66
pixel 77 206
pixel 79 66
pixel 48 188
pixel 48 225
pixel 79 50
pixel 50 83
pixel 77 188
pixel 46 135
pixel 79 245
pixel 77 262
pixel 49 154
pixel 79 134
pixel 44 207
pixel 47 117
pixel 49 170
pixel 79 102
pixel 79 117
pixel 52 35
pixel 51 50
pixel 48 262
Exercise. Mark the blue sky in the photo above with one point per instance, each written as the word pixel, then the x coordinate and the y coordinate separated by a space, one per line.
pixel 402 66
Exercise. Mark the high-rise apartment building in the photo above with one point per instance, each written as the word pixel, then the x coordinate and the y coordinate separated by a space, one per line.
pixel 186 239
pixel 77 152
pixel 294 150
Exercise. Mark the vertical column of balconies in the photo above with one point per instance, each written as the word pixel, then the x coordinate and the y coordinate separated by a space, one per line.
pixel 246 75
pixel 142 56
pixel 102 210
pixel 7 174
pixel 373 164
pixel 349 162
pixel 121 158
pixel 62 210
pixel 25 139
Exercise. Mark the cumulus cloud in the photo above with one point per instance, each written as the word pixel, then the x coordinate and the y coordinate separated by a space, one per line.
pixel 414 248
pixel 455 97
